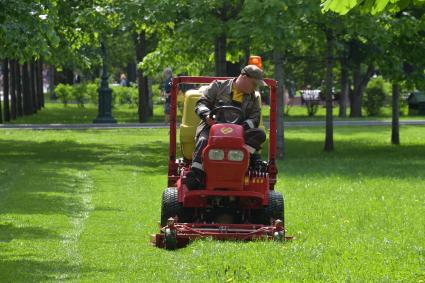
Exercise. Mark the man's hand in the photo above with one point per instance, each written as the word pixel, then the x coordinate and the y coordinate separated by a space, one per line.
pixel 205 115
pixel 209 121
pixel 245 126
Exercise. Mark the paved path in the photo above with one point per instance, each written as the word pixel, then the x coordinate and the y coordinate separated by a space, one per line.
pixel 163 125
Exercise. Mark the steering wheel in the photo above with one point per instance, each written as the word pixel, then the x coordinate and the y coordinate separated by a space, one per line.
pixel 227 114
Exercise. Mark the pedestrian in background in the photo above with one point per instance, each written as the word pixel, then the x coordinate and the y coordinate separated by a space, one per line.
pixel 166 93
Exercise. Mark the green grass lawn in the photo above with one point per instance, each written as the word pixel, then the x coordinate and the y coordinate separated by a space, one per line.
pixel 80 206
pixel 56 113
pixel 299 113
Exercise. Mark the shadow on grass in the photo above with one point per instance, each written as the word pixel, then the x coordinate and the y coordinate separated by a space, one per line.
pixel 8 232
pixel 49 189
pixel 47 185
pixel 46 179
pixel 68 154
pixel 302 156
pixel 31 270
pixel 353 158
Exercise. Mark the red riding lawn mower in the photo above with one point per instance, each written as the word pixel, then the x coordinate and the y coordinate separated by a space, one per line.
pixel 239 202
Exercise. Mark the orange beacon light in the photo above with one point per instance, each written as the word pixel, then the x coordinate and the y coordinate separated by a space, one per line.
pixel 255 60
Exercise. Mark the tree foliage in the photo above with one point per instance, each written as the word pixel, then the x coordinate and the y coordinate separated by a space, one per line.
pixel 370 6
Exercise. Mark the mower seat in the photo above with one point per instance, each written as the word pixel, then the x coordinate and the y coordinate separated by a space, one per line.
pixel 190 122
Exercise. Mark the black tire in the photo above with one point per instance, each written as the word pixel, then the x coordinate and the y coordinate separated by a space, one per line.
pixel 275 209
pixel 170 206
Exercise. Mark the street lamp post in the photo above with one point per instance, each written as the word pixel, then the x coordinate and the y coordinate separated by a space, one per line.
pixel 105 93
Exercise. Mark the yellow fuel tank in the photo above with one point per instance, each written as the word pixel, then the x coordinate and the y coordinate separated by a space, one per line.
pixel 189 123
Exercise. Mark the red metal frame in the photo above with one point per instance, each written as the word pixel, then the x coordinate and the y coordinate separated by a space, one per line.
pixel 173 166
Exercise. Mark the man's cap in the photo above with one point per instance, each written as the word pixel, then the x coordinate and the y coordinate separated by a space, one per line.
pixel 254 72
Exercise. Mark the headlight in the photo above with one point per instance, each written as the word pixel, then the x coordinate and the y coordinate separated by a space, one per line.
pixel 235 155
pixel 216 154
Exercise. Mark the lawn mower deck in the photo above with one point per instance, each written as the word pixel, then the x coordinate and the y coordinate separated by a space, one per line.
pixel 179 235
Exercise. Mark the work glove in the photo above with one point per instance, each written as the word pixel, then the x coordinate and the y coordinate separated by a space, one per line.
pixel 245 125
pixel 204 115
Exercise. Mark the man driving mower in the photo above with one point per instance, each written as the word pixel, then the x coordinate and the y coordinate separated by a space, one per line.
pixel 240 93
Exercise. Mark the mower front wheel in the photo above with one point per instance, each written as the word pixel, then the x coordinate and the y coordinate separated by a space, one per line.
pixel 170 206
pixel 273 211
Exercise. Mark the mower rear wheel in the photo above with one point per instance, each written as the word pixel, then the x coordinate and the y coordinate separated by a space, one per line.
pixel 275 209
pixel 170 206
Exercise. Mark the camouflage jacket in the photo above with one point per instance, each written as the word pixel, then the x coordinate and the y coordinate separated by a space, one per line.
pixel 222 91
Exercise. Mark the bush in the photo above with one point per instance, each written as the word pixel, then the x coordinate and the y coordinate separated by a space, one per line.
pixel 135 96
pixel 156 94
pixel 125 95
pixel 404 106
pixel 376 92
pixel 92 92
pixel 64 92
pixel 79 94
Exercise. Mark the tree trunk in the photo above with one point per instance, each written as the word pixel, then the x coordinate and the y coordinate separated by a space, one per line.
pixel 329 140
pixel 355 97
pixel 150 95
pixel 142 81
pixel 1 112
pixel 6 90
pixel 132 71
pixel 51 75
pixel 360 82
pixel 40 84
pixel 233 69
pixel 220 56
pixel 13 107
pixel 66 76
pixel 27 95
pixel 33 87
pixel 19 107
pixel 57 77
pixel 344 88
pixel 247 53
pixel 279 76
pixel 37 84
pixel 395 133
